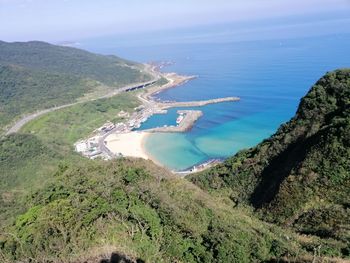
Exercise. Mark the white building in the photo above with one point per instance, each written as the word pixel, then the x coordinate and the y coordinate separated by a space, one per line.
pixel 81 146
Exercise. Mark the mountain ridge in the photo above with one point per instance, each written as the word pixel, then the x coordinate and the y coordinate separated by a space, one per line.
pixel 301 170
pixel 285 200
pixel 37 75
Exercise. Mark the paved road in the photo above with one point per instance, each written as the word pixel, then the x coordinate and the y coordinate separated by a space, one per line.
pixel 20 123
pixel 102 146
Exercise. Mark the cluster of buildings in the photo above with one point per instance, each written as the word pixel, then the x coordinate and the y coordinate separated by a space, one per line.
pixel 89 147
pixel 108 126
pixel 141 115
pixel 94 147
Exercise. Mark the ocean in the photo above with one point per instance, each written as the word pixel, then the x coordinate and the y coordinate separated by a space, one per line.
pixel 270 77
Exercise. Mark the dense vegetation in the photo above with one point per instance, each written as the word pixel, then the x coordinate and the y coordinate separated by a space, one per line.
pixel 56 206
pixel 109 70
pixel 25 162
pixel 37 75
pixel 137 209
pixel 300 177
pixel 23 90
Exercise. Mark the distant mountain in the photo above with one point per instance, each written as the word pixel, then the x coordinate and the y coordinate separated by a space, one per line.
pixel 300 176
pixel 36 75
pixel 36 55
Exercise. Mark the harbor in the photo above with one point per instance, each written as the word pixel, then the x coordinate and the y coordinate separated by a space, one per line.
pixel 124 139
pixel 200 103
pixel 184 122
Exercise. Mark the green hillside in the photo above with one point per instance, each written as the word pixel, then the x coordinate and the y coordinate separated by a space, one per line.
pixel 38 75
pixel 134 208
pixel 285 200
pixel 61 129
pixel 300 177
pixel 24 90
pixel 109 70
pixel 28 160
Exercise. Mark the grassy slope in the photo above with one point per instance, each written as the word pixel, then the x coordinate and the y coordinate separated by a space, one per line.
pixel 71 208
pixel 56 205
pixel 109 70
pixel 24 164
pixel 137 209
pixel 23 90
pixel 299 177
pixel 37 75
pixel 64 127
pixel 60 206
pixel 27 160
pixel 132 208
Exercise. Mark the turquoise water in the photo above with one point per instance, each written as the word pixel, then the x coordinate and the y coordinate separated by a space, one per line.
pixel 270 77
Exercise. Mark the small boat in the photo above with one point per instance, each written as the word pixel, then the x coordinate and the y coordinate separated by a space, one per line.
pixel 179 119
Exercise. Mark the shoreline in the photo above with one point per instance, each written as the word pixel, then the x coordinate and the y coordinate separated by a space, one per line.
pixel 134 145
pixel 150 156
pixel 174 80
pixel 130 144
pixel 122 140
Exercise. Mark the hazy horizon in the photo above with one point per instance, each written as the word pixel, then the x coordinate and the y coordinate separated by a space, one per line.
pixel 69 20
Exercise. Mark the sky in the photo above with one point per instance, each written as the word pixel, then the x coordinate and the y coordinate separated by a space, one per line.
pixel 64 20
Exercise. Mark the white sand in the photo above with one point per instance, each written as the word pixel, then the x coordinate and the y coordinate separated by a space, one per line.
pixel 128 144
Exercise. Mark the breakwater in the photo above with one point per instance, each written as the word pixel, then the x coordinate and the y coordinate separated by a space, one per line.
pixel 189 118
pixel 200 103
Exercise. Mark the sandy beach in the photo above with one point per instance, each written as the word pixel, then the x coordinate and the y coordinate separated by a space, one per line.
pixel 128 144
pixel 117 140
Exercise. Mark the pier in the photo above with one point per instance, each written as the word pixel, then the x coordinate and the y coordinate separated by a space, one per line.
pixel 101 144
pixel 189 118
pixel 200 103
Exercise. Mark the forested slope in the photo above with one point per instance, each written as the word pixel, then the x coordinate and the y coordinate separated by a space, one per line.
pixel 37 75
pixel 285 200
pixel 134 208
pixel 109 70
pixel 300 177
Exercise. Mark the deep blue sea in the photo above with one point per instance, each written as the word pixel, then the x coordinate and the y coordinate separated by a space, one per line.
pixel 270 77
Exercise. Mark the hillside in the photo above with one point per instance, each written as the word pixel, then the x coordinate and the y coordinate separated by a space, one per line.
pixel 36 55
pixel 56 206
pixel 28 160
pixel 90 209
pixel 59 207
pixel 37 75
pixel 300 176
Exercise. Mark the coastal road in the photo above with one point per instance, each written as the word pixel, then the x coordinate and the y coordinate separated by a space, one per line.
pixel 20 123
pixel 102 146
pixel 24 120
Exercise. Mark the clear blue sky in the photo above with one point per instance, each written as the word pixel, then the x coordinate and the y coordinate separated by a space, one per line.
pixel 60 20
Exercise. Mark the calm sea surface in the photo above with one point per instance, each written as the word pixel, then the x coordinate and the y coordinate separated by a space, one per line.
pixel 269 76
